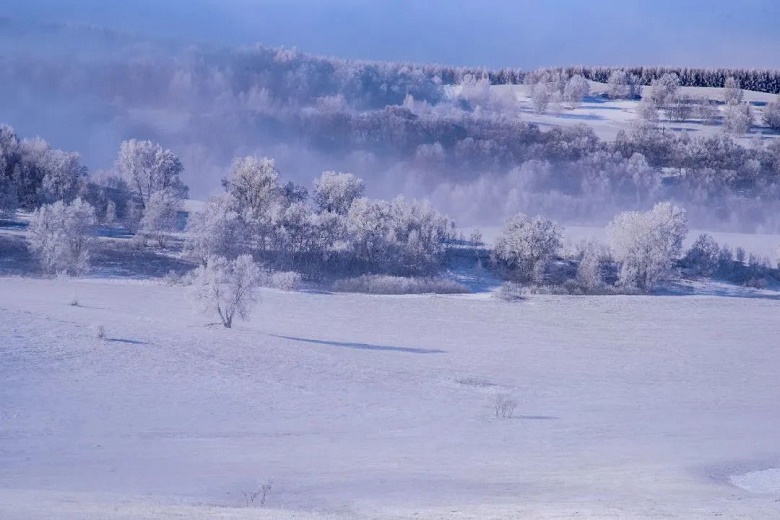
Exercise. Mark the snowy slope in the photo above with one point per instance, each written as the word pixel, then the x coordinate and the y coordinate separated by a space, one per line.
pixel 608 117
pixel 382 407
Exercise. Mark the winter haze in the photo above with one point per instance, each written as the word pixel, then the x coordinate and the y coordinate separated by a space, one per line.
pixel 381 260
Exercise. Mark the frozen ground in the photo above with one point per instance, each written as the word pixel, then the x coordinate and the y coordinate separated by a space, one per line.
pixel 382 407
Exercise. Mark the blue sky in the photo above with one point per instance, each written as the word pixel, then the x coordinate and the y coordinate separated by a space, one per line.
pixel 494 33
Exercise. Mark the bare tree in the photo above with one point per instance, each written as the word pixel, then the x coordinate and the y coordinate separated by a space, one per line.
pixel 227 287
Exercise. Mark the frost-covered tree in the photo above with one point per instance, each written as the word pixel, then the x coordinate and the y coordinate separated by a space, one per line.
pixel 589 269
pixel 577 88
pixel 218 230
pixel 61 236
pixel 227 287
pixel 368 223
pixel 617 84
pixel 160 216
pixel 732 92
pixel 663 90
pixel 737 119
pixel 419 236
pixel 64 176
pixel 335 192
pixel 148 168
pixel 621 85
pixel 541 97
pixel 772 115
pixel 647 109
pixel 253 190
pixel 526 246
pixel 646 244
pixel 253 183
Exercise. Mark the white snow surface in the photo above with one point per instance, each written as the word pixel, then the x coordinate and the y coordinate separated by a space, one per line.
pixel 766 481
pixel 381 407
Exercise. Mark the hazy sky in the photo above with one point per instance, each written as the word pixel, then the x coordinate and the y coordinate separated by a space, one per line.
pixel 495 33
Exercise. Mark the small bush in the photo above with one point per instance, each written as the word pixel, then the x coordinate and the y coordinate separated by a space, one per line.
pixel 504 406
pixel 282 280
pixel 383 284
pixel 511 292
pixel 100 332
pixel 259 495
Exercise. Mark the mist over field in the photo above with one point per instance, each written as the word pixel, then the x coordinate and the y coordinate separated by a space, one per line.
pixel 87 75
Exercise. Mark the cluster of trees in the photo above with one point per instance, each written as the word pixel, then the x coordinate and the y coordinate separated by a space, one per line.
pixel 337 230
pixel 663 94
pixel 144 193
pixel 553 87
pixel 759 80
pixel 32 173
pixel 646 249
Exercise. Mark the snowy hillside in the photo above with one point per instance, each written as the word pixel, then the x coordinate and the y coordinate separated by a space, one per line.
pixel 384 407
pixel 609 116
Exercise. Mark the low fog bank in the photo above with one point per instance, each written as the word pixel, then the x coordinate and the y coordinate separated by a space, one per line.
pixel 399 126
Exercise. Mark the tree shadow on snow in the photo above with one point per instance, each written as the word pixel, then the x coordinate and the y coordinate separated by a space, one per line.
pixel 363 346
pixel 127 341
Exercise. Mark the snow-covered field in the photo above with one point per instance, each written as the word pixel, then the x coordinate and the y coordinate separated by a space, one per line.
pixel 382 407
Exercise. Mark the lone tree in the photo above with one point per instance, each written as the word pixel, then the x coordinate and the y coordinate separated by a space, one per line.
pixel 60 236
pixel 646 244
pixel 227 287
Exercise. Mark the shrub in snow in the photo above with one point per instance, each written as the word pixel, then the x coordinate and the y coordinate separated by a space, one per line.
pixel 335 192
pixel 384 284
pixel 511 292
pixel 60 236
pixel 259 495
pixel 704 256
pixel 646 244
pixel 504 406
pixel 525 247
pixel 100 332
pixel 227 287
pixel 282 280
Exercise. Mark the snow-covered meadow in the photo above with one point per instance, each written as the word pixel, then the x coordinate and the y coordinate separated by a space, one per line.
pixel 355 406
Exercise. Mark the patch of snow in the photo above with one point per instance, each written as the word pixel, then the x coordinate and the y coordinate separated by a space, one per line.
pixel 766 481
